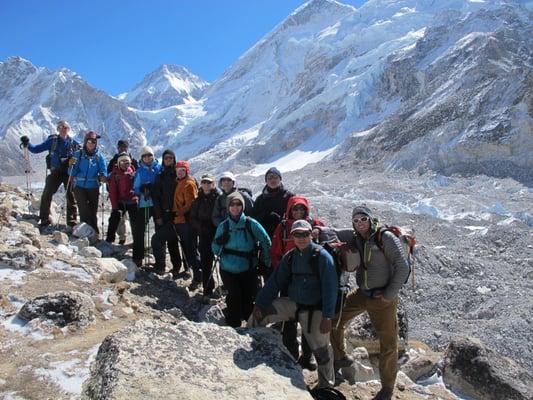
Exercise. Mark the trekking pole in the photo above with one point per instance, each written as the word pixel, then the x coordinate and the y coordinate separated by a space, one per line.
pixel 102 205
pixel 344 290
pixel 64 207
pixel 27 172
pixel 147 234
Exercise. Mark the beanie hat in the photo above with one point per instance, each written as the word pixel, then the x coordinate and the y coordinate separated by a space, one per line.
pixel 273 170
pixel 168 152
pixel 123 143
pixel 301 225
pixel 183 164
pixel 146 150
pixel 236 195
pixel 91 135
pixel 362 209
pixel 123 157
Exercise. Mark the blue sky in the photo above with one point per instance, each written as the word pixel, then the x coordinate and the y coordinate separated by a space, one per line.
pixel 112 44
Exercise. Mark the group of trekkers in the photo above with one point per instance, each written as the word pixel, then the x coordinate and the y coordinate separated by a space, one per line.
pixel 303 263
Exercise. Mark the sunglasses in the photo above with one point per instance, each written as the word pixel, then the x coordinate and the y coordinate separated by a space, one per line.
pixel 362 219
pixel 235 204
pixel 272 177
pixel 206 182
pixel 147 155
pixel 93 141
pixel 168 158
pixel 298 208
pixel 301 235
pixel 226 180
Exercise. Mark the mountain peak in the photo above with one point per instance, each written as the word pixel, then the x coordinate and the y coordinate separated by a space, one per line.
pixel 17 63
pixel 166 86
pixel 307 11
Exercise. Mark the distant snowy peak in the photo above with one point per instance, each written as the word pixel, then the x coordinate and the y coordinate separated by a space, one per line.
pixel 169 85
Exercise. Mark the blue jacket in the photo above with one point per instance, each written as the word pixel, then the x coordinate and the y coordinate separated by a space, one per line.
pixel 241 240
pixel 63 149
pixel 87 169
pixel 145 174
pixel 304 286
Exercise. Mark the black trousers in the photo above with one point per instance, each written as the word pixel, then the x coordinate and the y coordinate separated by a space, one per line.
pixel 242 289
pixel 116 216
pixel 87 200
pixel 206 260
pixel 142 220
pixel 55 179
pixel 166 236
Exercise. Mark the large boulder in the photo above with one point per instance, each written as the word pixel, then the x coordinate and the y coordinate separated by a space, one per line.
pixel 154 360
pixel 111 270
pixel 83 230
pixel 476 371
pixel 26 257
pixel 61 308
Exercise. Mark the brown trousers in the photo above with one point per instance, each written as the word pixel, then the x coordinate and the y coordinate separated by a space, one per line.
pixel 384 321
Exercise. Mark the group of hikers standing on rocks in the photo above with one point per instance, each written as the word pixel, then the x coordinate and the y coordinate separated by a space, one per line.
pixel 274 239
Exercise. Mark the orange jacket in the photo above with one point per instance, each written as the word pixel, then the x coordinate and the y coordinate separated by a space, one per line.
pixel 281 240
pixel 185 193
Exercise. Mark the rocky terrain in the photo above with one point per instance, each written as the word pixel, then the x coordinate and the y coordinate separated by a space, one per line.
pixel 61 298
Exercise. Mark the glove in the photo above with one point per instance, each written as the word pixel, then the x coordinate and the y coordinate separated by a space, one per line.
pixel 24 141
pixel 72 161
pixel 102 179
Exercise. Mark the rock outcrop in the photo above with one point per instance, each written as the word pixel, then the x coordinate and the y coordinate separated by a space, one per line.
pixel 193 361
pixel 474 370
pixel 61 308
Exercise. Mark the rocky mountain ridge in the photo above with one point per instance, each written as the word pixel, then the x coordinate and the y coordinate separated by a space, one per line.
pixel 403 85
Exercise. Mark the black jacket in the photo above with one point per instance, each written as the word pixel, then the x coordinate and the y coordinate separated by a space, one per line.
pixel 163 194
pixel 202 211
pixel 270 206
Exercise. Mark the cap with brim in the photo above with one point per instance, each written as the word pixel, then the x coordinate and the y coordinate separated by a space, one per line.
pixel 301 225
pixel 207 177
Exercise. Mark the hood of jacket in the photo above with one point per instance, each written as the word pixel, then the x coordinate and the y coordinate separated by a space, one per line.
pixel 294 200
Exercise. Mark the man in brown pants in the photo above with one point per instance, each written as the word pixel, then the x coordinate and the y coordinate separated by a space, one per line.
pixel 380 276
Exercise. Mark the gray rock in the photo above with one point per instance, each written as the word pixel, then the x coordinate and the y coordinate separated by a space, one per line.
pixel 23 258
pixel 60 237
pixel 90 251
pixel 132 269
pixel 212 314
pixel 62 308
pixel 106 248
pixel 474 370
pixel 80 243
pixel 111 270
pixel 421 366
pixel 83 230
pixel 193 361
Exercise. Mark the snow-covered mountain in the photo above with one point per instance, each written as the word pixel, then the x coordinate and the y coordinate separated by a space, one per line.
pixel 396 84
pixel 33 99
pixel 169 85
pixel 334 81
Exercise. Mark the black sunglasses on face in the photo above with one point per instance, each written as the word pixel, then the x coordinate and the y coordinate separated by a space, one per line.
pixel 237 204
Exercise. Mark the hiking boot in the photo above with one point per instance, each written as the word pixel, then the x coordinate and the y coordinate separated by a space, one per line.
pixel 307 363
pixel 344 362
pixel 138 262
pixel 122 242
pixel 194 285
pixel 383 394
